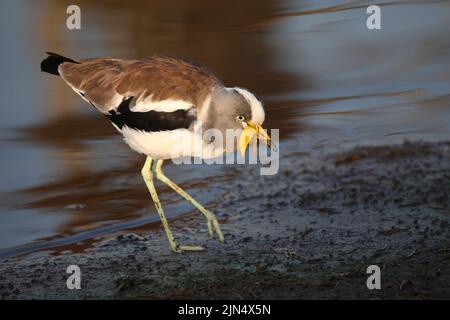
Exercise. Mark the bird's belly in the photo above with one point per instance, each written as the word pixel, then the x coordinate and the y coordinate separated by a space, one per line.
pixel 169 144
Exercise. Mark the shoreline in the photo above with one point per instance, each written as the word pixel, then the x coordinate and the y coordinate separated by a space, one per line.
pixel 308 232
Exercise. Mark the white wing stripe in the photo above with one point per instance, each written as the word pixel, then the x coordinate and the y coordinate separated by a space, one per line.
pixel 169 105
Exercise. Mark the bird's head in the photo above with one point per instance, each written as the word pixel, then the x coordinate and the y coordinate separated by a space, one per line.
pixel 237 108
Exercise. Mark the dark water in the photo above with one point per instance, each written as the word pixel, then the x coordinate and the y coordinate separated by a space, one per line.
pixel 327 82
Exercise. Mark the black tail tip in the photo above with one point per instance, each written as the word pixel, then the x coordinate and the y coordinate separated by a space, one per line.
pixel 52 62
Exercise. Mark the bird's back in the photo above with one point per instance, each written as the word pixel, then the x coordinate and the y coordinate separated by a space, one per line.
pixel 106 82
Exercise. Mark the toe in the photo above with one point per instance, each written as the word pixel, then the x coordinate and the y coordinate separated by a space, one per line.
pixel 192 248
pixel 210 228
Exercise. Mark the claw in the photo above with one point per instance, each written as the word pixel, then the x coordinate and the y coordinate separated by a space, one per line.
pixel 213 223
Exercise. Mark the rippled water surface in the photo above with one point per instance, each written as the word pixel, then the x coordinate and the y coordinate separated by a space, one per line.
pixel 326 80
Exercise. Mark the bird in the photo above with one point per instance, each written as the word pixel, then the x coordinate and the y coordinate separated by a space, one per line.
pixel 160 104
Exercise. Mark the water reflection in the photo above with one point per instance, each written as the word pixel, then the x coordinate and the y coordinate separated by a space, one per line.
pixel 325 79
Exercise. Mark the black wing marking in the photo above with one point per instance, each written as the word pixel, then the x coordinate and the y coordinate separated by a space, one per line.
pixel 150 121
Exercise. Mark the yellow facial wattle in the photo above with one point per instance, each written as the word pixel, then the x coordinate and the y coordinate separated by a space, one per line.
pixel 252 131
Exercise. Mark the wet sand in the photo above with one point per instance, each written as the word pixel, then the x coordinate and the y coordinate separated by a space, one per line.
pixel 309 232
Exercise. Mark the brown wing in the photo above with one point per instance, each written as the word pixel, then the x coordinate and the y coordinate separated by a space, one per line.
pixel 106 82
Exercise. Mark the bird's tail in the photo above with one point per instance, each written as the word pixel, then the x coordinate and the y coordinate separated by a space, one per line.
pixel 52 62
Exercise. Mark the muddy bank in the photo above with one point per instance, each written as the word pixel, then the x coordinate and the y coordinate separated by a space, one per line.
pixel 309 232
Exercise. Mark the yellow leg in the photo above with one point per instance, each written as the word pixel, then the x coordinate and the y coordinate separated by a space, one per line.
pixel 147 174
pixel 213 224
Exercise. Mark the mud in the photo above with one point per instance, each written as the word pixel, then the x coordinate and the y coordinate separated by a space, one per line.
pixel 309 232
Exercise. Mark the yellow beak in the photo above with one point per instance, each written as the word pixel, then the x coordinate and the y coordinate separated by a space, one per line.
pixel 248 133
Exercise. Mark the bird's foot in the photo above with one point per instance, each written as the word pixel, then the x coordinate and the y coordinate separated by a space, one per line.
pixel 213 225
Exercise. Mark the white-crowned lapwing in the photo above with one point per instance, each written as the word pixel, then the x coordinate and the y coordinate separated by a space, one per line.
pixel 158 104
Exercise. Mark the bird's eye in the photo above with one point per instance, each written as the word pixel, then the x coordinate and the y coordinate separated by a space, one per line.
pixel 240 118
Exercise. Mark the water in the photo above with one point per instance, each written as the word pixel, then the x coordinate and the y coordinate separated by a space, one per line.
pixel 327 82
